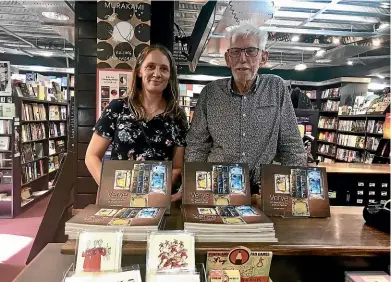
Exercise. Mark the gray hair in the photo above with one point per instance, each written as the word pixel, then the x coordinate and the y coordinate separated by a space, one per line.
pixel 246 29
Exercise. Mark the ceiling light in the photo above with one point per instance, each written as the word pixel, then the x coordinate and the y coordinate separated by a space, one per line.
pixel 336 40
pixel 350 63
pixel 47 54
pixel 2 51
pixel 380 76
pixel 376 42
pixel 320 53
pixel 300 67
pixel 383 26
pixel 55 16
pixel 323 61
pixel 295 38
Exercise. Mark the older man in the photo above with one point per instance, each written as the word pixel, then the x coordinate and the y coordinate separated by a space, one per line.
pixel 248 118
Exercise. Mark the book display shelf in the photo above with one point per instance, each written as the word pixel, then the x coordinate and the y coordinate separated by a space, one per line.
pixel 31 155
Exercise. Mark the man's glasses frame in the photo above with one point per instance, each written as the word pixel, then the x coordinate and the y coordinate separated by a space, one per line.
pixel 249 52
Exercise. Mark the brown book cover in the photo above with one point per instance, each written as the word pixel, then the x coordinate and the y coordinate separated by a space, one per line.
pixel 292 191
pixel 224 215
pixel 102 216
pixel 219 184
pixel 135 184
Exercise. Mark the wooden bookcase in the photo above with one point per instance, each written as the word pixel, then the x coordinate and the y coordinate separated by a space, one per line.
pixel 35 168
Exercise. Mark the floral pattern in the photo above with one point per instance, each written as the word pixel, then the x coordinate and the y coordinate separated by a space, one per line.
pixel 119 125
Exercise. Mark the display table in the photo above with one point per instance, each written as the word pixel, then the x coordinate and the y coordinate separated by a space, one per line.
pixel 342 234
pixel 327 246
pixel 356 168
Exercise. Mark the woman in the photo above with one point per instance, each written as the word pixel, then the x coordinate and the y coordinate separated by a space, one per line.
pixel 148 124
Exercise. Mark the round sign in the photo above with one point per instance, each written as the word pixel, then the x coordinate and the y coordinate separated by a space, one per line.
pixel 104 10
pixel 124 11
pixel 142 32
pixel 104 30
pixel 143 12
pixel 104 51
pixel 123 32
pixel 239 256
pixel 123 51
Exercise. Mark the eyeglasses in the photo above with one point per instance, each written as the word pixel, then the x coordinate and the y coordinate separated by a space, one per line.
pixel 249 52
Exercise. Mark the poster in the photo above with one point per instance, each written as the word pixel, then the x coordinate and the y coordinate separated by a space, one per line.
pixel 123 31
pixel 112 84
pixel 5 79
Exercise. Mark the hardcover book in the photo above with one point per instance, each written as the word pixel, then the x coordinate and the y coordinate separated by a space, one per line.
pixel 135 184
pixel 94 216
pixel 227 217
pixel 216 184
pixel 291 191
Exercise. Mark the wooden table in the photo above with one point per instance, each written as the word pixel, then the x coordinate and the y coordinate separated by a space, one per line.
pixel 356 168
pixel 342 234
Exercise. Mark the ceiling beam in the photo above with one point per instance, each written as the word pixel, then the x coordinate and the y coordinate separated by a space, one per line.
pixel 17 36
pixel 312 17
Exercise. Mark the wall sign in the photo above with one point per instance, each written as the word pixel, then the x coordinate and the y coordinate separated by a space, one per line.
pixel 123 31
pixel 112 84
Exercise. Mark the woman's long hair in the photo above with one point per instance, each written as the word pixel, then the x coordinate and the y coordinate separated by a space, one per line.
pixel 170 93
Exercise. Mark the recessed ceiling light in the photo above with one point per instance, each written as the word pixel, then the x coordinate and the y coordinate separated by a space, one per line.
pixel 380 76
pixel 47 54
pixel 376 42
pixel 300 67
pixel 323 61
pixel 336 40
pixel 320 53
pixel 350 63
pixel 295 38
pixel 55 16
pixel 383 26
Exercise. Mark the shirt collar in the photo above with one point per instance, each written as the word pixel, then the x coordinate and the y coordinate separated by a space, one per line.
pixel 253 87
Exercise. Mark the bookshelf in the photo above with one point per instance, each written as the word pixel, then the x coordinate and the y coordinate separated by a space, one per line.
pixel 38 141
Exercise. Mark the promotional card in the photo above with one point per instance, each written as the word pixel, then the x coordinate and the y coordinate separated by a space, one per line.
pixel 294 191
pixel 135 184
pixel 216 184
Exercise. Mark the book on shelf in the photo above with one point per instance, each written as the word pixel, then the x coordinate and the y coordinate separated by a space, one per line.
pixel 60 146
pixel 5 176
pixel 54 113
pixel 5 127
pixel 135 222
pixel 386 127
pixel 32 132
pixel 33 112
pixel 52 147
pixel 372 143
pixel 366 276
pixel 63 112
pixel 327 136
pixel 351 141
pixel 54 163
pixel 5 143
pixel 32 171
pixel 330 93
pixel 5 160
pixel 328 149
pixel 228 223
pixel 330 106
pixel 352 125
pixel 350 156
pixel 327 123
pixel 311 94
pixel 216 183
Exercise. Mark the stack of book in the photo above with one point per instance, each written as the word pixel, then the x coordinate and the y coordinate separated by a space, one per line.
pixel 228 224
pixel 135 222
pixel 217 204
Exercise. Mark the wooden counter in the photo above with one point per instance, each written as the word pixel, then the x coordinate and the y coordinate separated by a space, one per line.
pixel 356 168
pixel 342 234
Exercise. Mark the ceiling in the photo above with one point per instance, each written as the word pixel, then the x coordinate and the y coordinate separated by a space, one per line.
pixel 25 31
pixel 342 30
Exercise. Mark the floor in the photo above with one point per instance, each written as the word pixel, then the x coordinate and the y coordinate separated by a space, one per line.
pixel 16 239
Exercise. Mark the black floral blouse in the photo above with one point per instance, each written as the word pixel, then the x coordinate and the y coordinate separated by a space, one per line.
pixel 119 125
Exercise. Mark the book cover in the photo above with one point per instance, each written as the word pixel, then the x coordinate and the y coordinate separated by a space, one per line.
pixel 135 184
pixel 216 184
pixel 229 215
pixel 253 266
pixel 366 276
pixel 121 217
pixel 292 191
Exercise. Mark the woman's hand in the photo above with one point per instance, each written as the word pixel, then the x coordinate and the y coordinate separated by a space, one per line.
pixel 175 197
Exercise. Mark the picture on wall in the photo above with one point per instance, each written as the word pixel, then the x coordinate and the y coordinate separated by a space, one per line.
pixel 123 31
pixel 5 79
pixel 112 84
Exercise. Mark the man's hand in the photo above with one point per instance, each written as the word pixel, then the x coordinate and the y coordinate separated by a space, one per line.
pixel 177 196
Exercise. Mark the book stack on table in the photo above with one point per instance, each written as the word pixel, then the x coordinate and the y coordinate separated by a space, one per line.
pixel 228 224
pixel 135 222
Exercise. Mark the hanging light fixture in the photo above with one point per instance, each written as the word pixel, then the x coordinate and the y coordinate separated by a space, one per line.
pixel 301 66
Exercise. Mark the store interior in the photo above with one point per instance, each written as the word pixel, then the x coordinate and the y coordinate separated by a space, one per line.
pixel 333 55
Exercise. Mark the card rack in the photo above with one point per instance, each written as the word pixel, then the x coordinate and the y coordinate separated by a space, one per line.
pixel 38 141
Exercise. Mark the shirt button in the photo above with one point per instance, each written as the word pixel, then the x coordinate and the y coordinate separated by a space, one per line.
pixel 244 115
pixel 243 154
pixel 245 98
pixel 244 134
